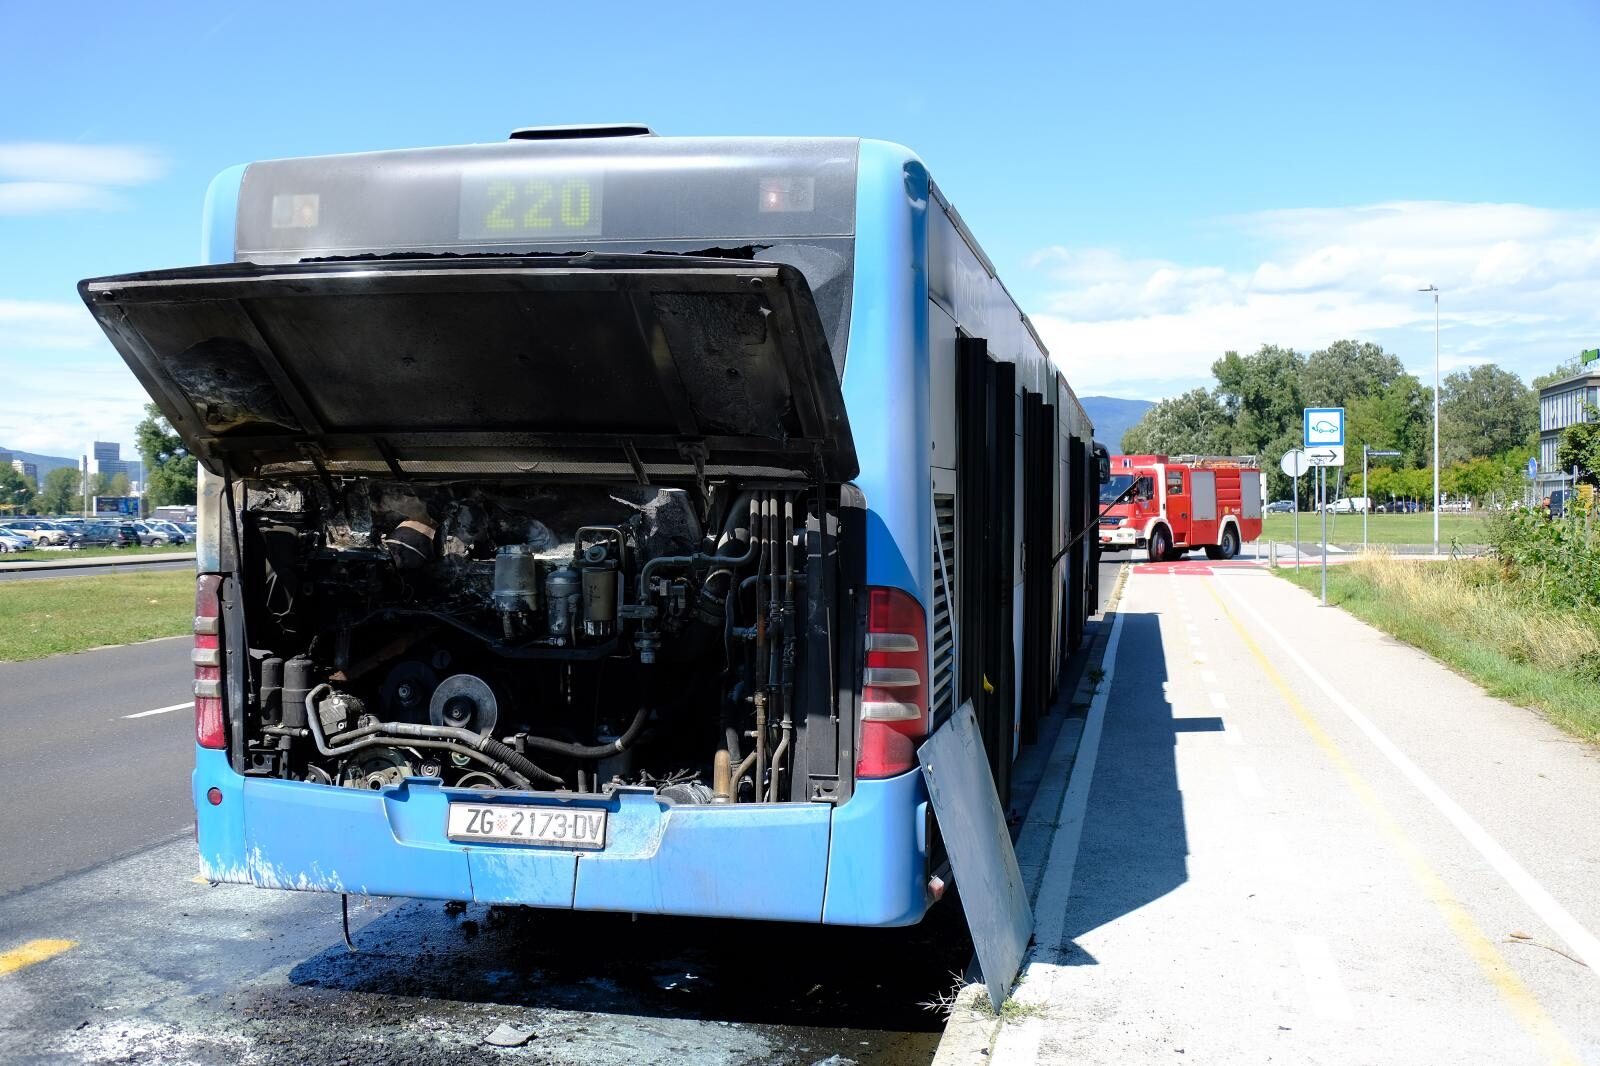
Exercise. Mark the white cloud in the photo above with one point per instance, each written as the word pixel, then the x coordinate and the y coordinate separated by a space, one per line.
pixel 57 410
pixel 64 385
pixel 1521 287
pixel 39 177
pixel 29 325
pixel 92 164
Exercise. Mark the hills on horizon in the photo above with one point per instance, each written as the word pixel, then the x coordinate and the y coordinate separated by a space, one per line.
pixel 45 463
pixel 1112 417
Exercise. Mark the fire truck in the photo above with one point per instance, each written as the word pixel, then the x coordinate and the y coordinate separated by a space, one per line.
pixel 1172 506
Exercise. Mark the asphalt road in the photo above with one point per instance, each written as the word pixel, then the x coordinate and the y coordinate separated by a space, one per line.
pixel 85 783
pixel 88 571
pixel 1302 841
pixel 163 968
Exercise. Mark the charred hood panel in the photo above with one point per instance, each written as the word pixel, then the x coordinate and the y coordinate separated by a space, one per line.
pixel 629 366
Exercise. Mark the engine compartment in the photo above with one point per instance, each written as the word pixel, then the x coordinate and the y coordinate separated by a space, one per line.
pixel 574 636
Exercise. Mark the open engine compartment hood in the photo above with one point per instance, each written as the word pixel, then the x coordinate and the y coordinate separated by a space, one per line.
pixel 632 366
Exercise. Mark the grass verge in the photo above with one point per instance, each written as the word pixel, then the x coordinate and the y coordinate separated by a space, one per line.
pixel 1469 615
pixel 1381 528
pixel 50 616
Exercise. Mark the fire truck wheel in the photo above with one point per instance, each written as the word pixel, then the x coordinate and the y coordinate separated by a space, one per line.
pixel 1160 548
pixel 1229 546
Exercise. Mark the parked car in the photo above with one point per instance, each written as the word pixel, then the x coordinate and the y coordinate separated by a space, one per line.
pixel 1280 507
pixel 99 535
pixel 128 535
pixel 43 533
pixel 173 533
pixel 12 541
pixel 1350 505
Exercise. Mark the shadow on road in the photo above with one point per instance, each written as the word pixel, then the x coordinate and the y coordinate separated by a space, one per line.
pixel 1134 847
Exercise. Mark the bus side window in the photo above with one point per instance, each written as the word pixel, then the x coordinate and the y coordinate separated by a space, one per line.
pixel 1174 482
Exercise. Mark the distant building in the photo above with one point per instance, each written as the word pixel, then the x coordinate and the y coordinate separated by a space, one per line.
pixel 28 470
pixel 105 457
pixel 1562 404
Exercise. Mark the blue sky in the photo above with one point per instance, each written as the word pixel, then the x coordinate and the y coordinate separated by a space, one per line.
pixel 1156 182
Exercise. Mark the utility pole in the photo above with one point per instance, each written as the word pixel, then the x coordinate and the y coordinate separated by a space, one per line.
pixel 1435 290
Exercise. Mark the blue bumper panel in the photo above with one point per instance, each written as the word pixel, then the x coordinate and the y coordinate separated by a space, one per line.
pixel 219 830
pixel 878 856
pixel 859 864
pixel 322 838
pixel 738 862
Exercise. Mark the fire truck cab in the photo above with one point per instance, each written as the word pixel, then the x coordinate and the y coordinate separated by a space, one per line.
pixel 1172 506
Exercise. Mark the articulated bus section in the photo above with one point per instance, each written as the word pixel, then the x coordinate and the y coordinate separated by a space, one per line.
pixel 603 521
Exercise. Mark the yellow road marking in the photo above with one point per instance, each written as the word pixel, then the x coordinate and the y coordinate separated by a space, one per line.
pixel 1521 1001
pixel 31 952
pixel 200 879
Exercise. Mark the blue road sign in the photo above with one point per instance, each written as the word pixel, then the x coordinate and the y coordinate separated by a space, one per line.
pixel 1324 426
pixel 1533 469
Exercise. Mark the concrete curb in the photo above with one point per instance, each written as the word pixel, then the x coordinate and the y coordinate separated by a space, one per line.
pixel 970 1032
pixel 104 560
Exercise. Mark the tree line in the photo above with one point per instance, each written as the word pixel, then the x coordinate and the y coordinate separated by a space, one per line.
pixel 61 493
pixel 1488 419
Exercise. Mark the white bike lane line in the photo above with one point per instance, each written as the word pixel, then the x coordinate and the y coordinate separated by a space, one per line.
pixel 1520 1001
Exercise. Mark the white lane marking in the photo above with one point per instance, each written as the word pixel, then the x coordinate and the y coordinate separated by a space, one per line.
pixel 1218 700
pixel 1208 676
pixel 1249 784
pixel 160 710
pixel 1020 1043
pixel 1563 924
pixel 1232 734
pixel 1199 654
pixel 1323 987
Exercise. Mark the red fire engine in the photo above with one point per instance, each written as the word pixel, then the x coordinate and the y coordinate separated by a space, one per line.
pixel 1171 506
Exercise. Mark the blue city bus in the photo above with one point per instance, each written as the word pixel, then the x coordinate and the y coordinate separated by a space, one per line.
pixel 599 520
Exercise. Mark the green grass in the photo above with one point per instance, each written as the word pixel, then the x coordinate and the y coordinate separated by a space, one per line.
pixel 54 615
pixel 1381 528
pixel 1469 615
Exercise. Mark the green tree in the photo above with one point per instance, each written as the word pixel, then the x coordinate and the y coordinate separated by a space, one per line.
pixel 118 485
pixel 100 484
pixel 61 491
pixel 1485 411
pixel 1579 446
pixel 169 469
pixel 1345 370
pixel 1193 422
pixel 16 490
pixel 1261 394
pixel 1397 418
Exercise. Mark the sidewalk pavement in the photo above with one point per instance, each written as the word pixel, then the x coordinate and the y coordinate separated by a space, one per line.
pixel 1288 837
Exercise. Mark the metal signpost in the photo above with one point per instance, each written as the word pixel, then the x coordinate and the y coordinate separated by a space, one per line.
pixel 1366 493
pixel 1293 464
pixel 1324 437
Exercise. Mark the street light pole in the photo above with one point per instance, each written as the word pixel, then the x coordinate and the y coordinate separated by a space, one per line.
pixel 1435 290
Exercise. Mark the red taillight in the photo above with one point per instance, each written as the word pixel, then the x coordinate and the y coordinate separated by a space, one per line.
pixel 894 689
pixel 210 726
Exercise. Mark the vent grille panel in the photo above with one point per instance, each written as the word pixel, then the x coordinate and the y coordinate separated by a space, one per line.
pixel 943 655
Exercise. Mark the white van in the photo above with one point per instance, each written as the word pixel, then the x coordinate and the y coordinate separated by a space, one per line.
pixel 1351 505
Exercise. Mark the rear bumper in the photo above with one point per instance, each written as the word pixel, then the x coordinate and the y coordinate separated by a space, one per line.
pixel 862 863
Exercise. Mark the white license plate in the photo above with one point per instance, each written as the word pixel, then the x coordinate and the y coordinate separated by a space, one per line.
pixel 562 827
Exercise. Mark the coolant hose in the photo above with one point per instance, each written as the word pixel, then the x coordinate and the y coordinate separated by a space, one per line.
pixel 368 735
pixel 593 751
